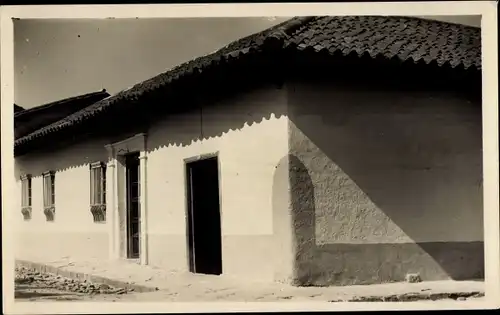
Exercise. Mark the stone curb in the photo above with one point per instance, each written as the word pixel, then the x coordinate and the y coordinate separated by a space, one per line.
pixel 81 276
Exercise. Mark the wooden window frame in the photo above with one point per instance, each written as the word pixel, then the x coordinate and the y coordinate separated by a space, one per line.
pixel 26 196
pixel 98 195
pixel 49 201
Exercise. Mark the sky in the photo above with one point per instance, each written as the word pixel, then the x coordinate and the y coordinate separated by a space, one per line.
pixel 56 59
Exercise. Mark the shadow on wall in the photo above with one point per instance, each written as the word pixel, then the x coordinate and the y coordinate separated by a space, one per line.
pixel 381 189
pixel 345 264
pixel 303 219
pixel 62 159
pixel 213 119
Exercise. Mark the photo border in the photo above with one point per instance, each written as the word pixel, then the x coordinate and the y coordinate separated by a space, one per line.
pixel 488 12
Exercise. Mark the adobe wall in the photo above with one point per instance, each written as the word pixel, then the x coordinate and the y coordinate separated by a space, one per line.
pixel 73 232
pixel 249 132
pixel 319 185
pixel 384 183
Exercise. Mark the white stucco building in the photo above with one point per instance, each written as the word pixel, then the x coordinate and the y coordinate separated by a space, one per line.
pixel 323 151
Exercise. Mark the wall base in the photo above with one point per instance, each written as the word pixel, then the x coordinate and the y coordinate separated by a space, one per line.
pixel 351 264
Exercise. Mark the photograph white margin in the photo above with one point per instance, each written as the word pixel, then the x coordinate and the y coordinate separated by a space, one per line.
pixel 486 9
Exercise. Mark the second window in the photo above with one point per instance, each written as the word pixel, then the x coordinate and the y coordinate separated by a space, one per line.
pixel 97 184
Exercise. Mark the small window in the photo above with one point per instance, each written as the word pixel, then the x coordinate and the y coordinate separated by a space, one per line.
pixel 26 196
pixel 26 191
pixel 49 197
pixel 97 184
pixel 98 191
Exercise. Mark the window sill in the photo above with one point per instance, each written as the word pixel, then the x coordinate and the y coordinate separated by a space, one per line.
pixel 26 211
pixel 49 213
pixel 99 213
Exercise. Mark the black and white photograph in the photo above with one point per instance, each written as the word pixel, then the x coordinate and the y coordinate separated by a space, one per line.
pixel 338 159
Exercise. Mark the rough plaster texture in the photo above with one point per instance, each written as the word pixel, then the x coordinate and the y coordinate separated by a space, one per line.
pixel 73 231
pixel 384 183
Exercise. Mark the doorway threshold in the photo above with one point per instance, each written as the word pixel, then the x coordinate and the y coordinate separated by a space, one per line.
pixel 133 260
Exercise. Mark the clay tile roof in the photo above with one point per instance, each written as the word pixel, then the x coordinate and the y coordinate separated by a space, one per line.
pixel 405 38
pixel 32 119
pixel 391 36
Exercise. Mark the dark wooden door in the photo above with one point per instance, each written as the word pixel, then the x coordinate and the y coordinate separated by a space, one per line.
pixel 204 226
pixel 133 205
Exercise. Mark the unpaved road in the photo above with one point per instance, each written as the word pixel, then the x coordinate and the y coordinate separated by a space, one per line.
pixel 28 292
pixel 34 286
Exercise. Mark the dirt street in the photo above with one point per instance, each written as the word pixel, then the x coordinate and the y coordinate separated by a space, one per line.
pixel 31 285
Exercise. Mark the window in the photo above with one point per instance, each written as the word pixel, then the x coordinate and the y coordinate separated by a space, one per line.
pixel 26 191
pixel 49 197
pixel 97 184
pixel 98 191
pixel 26 196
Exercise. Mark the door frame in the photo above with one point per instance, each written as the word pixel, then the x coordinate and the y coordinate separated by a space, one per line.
pixel 117 201
pixel 187 198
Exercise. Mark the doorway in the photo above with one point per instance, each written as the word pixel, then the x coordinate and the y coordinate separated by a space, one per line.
pixel 132 164
pixel 203 219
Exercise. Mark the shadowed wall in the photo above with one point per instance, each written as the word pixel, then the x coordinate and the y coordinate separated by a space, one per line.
pixel 384 183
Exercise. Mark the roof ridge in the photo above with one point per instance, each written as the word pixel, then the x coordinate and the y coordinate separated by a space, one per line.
pixel 287 28
pixel 60 101
pixel 429 20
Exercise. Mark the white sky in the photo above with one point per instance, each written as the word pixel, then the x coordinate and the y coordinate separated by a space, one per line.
pixel 55 59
